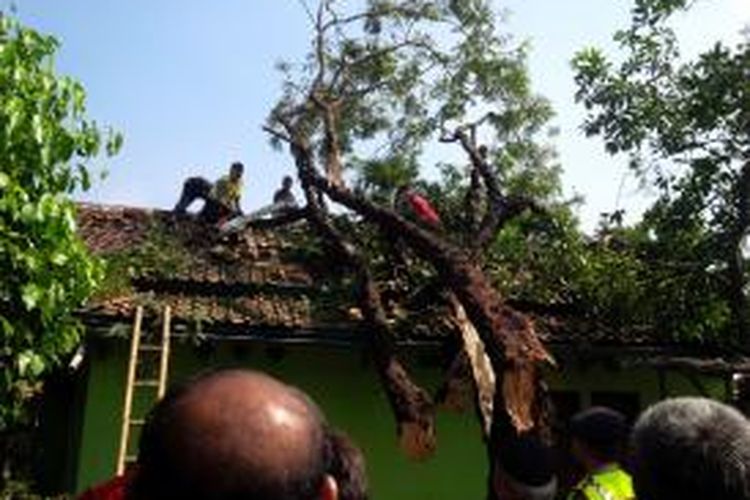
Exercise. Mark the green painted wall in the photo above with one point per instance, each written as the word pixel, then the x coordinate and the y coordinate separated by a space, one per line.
pixel 587 378
pixel 347 390
pixel 338 380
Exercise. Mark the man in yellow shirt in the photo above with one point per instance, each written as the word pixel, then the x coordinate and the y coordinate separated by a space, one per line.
pixel 221 199
pixel 597 438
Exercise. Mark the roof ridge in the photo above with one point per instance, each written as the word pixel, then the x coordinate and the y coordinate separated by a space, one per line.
pixel 114 207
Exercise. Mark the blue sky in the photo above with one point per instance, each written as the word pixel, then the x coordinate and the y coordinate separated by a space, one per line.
pixel 189 84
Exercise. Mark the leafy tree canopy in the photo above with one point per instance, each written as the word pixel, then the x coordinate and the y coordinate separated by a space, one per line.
pixel 686 126
pixel 45 143
pixel 402 77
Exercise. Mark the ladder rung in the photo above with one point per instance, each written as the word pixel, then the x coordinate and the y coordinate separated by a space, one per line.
pixel 141 343
pixel 146 383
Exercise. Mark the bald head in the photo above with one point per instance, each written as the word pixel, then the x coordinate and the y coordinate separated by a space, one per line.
pixel 233 434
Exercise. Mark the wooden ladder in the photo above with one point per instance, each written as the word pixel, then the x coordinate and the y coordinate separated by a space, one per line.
pixel 138 380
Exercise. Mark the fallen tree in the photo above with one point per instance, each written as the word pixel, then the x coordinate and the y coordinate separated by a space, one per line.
pixel 383 74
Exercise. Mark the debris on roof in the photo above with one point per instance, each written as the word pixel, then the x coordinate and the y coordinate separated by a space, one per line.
pixel 257 279
pixel 271 278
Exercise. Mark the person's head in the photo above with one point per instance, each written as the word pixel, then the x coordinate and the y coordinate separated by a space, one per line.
pixel 524 470
pixel 236 170
pixel 346 465
pixel 287 182
pixel 691 448
pixel 233 434
pixel 597 436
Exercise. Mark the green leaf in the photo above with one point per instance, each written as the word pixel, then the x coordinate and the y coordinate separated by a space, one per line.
pixel 30 295
pixel 59 259
pixel 30 364
pixel 114 144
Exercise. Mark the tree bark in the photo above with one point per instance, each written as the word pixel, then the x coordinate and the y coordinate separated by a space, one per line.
pixel 509 336
pixel 411 405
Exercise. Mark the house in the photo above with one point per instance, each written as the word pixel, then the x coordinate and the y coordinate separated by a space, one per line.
pixel 264 302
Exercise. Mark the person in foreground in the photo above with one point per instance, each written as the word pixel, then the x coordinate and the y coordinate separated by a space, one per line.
pixel 524 470
pixel 690 449
pixel 233 434
pixel 597 438
pixel 346 464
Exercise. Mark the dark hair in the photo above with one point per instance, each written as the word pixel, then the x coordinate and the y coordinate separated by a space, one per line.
pixel 527 460
pixel 603 431
pixel 346 464
pixel 163 470
pixel 237 166
pixel 691 448
pixel 524 468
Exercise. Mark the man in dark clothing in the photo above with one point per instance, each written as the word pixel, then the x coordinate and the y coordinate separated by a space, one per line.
pixel 283 203
pixel 220 199
pixel 283 198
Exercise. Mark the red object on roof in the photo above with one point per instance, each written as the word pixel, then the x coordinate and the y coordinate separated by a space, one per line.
pixel 423 209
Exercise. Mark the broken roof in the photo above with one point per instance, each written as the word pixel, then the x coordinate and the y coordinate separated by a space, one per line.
pixel 260 282
pixel 257 279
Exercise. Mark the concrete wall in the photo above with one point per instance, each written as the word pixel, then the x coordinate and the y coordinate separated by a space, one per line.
pixel 346 388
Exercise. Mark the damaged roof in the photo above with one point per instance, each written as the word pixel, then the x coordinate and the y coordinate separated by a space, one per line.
pixel 261 281
pixel 256 278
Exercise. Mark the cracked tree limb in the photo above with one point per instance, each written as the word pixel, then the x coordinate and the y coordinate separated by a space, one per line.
pixel 412 407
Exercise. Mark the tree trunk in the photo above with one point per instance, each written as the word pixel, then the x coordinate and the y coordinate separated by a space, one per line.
pixel 509 336
pixel 411 405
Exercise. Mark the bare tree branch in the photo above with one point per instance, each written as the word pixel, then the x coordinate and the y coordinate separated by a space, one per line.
pixel 500 208
pixel 370 14
pixel 277 134
pixel 331 143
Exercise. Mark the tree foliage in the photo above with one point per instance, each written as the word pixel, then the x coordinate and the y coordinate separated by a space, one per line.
pixel 45 142
pixel 686 126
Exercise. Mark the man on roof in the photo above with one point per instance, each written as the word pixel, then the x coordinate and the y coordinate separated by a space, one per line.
pixel 221 200
pixel 283 203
